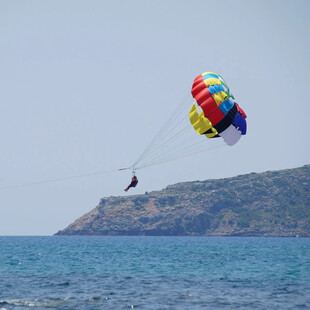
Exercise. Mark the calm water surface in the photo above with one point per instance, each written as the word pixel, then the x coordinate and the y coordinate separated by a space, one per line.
pixel 154 273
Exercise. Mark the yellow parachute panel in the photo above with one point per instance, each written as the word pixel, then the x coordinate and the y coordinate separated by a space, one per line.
pixel 220 97
pixel 211 81
pixel 200 123
pixel 212 134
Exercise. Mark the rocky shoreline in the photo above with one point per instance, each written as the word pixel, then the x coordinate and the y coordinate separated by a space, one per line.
pixel 273 203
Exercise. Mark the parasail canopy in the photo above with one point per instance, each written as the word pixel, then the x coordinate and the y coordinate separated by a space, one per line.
pixel 220 115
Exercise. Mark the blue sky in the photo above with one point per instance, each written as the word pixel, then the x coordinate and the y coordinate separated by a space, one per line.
pixel 87 84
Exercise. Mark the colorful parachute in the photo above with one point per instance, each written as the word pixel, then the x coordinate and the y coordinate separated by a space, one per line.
pixel 220 115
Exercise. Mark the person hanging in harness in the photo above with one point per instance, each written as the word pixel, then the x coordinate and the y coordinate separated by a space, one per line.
pixel 134 182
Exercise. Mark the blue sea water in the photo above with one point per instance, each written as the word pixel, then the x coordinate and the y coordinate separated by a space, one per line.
pixel 154 273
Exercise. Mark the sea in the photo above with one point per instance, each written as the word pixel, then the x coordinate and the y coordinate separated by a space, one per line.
pixel 71 272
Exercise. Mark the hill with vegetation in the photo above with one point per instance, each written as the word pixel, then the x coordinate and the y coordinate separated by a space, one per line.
pixel 273 203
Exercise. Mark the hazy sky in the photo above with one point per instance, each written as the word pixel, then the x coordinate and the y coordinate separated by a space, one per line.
pixel 85 85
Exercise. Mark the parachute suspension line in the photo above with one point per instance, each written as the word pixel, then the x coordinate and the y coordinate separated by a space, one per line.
pixel 180 156
pixel 161 144
pixel 165 142
pixel 167 128
pixel 181 151
pixel 132 168
pixel 174 141
pixel 164 150
pixel 59 179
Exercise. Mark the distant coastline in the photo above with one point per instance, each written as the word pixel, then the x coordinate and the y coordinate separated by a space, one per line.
pixel 272 203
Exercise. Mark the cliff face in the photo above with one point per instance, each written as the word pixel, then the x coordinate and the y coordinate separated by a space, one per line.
pixel 273 203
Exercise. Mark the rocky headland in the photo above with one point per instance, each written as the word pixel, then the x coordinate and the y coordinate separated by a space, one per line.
pixel 273 203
